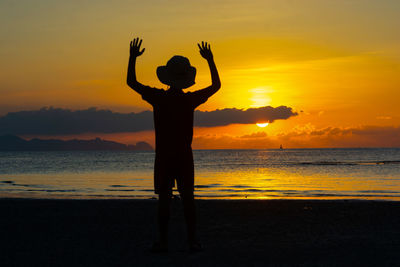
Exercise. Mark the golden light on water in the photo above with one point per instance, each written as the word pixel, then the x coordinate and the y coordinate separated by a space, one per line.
pixel 262 125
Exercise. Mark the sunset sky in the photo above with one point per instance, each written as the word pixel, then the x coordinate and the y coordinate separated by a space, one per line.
pixel 335 63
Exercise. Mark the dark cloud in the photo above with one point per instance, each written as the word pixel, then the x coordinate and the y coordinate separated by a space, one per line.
pixel 221 117
pixel 57 121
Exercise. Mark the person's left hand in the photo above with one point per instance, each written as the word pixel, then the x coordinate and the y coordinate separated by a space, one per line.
pixel 205 50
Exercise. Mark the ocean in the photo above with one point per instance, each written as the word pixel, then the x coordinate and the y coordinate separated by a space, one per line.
pixel 362 173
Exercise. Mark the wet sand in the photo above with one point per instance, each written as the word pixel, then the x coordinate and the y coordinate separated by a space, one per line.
pixel 233 232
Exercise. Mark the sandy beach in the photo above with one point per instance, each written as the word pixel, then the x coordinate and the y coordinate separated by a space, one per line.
pixel 233 232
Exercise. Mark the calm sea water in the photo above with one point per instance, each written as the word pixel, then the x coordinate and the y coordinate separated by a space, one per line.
pixel 288 173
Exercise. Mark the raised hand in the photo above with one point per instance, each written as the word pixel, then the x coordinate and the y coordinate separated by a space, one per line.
pixel 135 47
pixel 205 50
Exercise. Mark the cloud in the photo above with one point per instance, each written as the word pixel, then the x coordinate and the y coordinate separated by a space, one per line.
pixel 57 121
pixel 222 117
pixel 254 135
pixel 384 118
pixel 306 136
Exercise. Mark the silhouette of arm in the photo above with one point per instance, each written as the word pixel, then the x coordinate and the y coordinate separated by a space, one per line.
pixel 134 53
pixel 204 94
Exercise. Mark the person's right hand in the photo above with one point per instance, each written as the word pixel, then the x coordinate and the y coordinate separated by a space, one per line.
pixel 135 47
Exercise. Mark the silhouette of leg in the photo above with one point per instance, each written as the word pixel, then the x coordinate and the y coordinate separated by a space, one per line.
pixel 164 201
pixel 190 216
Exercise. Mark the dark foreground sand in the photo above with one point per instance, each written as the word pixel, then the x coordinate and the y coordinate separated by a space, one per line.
pixel 234 233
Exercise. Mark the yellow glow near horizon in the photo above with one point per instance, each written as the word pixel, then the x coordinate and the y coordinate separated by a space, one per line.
pixel 259 96
pixel 262 125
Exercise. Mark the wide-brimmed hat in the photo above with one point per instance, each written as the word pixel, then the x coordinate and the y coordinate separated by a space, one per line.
pixel 177 73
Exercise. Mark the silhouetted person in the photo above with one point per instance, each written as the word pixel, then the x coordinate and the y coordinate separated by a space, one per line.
pixel 173 121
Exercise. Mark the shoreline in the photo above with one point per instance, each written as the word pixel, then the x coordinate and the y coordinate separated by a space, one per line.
pixel 204 198
pixel 119 232
pixel 197 198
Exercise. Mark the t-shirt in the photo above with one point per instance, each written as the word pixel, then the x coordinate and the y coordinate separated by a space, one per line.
pixel 173 118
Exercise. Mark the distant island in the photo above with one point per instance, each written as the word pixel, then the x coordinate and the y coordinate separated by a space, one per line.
pixel 15 143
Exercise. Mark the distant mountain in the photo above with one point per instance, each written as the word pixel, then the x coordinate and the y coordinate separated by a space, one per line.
pixel 15 143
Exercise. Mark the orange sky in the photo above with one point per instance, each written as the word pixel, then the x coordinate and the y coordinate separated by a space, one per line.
pixel 334 62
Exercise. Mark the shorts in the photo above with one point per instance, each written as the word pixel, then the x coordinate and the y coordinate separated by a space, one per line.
pixel 168 169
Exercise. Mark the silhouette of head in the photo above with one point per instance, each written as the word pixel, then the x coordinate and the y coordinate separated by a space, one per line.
pixel 178 73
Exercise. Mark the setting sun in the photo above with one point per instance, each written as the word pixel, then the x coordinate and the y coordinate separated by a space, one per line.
pixel 262 125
